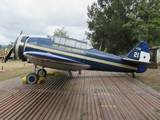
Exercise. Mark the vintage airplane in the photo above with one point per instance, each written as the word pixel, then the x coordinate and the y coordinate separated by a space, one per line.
pixel 63 53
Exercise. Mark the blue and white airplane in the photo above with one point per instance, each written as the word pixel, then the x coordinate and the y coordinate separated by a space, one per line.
pixel 63 53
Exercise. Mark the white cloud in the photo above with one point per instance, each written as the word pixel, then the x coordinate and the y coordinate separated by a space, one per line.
pixel 41 17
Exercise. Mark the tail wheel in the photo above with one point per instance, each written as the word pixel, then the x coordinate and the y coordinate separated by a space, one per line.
pixel 32 78
pixel 42 72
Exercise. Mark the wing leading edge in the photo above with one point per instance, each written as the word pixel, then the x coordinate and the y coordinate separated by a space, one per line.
pixel 54 61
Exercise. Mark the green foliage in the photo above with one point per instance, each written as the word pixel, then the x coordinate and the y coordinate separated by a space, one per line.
pixel 120 25
pixel 60 31
pixel 1 48
pixel 8 47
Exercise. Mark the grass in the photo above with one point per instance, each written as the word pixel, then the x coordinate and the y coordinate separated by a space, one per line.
pixel 13 69
pixel 151 78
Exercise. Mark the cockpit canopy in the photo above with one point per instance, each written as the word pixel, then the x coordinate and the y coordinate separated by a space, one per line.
pixel 70 42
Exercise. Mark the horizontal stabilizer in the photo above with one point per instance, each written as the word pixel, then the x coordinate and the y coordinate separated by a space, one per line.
pixel 150 65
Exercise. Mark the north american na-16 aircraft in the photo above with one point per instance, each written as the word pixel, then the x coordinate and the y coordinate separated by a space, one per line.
pixel 64 53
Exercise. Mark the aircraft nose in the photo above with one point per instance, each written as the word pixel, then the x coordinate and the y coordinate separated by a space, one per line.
pixel 16 48
pixel 16 45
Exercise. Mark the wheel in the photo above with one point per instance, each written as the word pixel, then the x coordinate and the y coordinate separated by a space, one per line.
pixel 42 72
pixel 32 78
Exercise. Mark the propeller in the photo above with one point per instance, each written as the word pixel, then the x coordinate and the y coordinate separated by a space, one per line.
pixel 8 55
pixel 11 50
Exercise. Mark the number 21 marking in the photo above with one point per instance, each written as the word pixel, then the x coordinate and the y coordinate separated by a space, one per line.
pixel 136 54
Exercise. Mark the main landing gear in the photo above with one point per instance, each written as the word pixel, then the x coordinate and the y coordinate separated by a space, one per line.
pixel 42 72
pixel 32 78
pixel 133 75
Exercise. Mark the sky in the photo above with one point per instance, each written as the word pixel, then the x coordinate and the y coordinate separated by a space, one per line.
pixel 41 17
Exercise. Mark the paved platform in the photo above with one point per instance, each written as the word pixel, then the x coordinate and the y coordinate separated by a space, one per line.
pixel 93 95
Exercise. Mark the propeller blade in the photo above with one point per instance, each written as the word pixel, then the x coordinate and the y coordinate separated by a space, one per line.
pixel 8 56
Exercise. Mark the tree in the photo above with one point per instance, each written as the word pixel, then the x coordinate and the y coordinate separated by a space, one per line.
pixel 117 24
pixel 145 23
pixel 60 31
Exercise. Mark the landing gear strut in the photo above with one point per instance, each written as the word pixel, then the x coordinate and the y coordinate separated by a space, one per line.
pixel 70 73
pixel 133 75
pixel 32 78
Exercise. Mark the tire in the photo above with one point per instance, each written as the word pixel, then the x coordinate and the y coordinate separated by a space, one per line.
pixel 42 72
pixel 32 78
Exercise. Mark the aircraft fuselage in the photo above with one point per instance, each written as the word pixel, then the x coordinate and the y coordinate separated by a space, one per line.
pixel 97 60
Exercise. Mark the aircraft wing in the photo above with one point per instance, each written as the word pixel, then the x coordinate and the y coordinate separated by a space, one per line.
pixel 150 65
pixel 54 61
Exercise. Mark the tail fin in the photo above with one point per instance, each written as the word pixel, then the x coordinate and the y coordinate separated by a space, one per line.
pixel 140 55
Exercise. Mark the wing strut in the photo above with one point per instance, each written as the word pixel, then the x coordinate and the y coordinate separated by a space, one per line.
pixel 70 73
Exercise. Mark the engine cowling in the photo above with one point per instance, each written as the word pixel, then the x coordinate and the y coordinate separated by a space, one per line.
pixel 19 47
